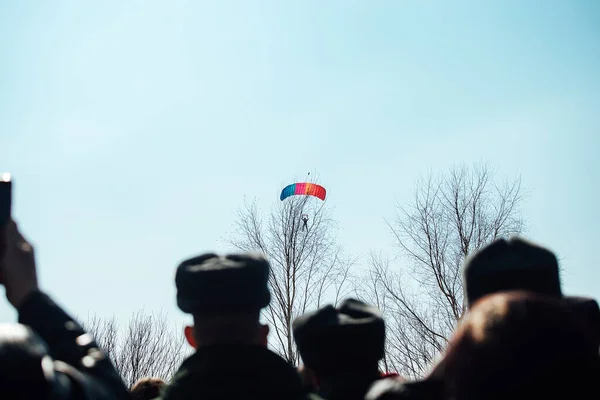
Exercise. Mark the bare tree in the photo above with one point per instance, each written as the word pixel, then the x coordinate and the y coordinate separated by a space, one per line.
pixel 106 333
pixel 307 264
pixel 148 347
pixel 452 215
pixel 369 288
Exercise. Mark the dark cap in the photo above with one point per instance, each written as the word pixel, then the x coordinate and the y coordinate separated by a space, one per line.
pixel 214 285
pixel 515 264
pixel 337 338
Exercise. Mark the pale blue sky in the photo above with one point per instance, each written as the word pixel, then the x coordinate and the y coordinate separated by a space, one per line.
pixel 134 129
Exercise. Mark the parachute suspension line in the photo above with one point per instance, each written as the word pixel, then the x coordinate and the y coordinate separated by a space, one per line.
pixel 305 216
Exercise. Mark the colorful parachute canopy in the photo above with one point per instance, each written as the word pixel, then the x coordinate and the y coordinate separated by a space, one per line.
pixel 303 188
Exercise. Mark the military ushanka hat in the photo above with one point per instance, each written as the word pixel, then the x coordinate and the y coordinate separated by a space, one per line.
pixel 213 284
pixel 514 264
pixel 333 338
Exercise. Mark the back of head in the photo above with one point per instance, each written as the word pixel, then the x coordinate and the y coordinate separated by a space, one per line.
pixel 514 345
pixel 26 370
pixel 340 340
pixel 225 294
pixel 147 389
pixel 515 264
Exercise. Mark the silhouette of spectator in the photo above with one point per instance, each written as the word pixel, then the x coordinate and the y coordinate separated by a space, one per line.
pixel 342 347
pixel 225 295
pixel 48 355
pixel 518 345
pixel 517 264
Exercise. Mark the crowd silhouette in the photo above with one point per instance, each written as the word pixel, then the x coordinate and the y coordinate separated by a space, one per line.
pixel 520 338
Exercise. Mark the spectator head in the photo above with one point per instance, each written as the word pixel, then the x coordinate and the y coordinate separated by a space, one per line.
pixel 26 369
pixel 511 265
pixel 341 340
pixel 225 294
pixel 519 345
pixel 147 389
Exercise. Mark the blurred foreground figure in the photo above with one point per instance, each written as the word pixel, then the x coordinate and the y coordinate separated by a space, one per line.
pixel 147 389
pixel 517 264
pixel 519 345
pixel 48 355
pixel 225 295
pixel 342 347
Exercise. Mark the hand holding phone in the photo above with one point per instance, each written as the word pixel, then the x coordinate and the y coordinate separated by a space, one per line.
pixel 18 269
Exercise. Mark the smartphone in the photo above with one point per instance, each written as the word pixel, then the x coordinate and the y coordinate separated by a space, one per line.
pixel 5 198
pixel 5 212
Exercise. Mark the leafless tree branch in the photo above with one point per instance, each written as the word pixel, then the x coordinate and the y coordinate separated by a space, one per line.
pixel 147 347
pixel 451 216
pixel 307 263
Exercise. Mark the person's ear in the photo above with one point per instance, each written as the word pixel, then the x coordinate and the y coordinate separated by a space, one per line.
pixel 190 336
pixel 263 333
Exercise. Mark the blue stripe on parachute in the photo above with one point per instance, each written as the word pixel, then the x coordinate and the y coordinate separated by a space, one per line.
pixel 288 191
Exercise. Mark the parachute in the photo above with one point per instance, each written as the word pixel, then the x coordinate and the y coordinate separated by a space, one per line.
pixel 303 188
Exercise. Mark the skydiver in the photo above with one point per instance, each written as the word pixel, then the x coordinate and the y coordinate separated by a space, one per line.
pixel 305 220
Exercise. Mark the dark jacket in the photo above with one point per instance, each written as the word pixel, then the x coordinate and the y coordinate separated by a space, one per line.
pixel 81 370
pixel 235 372
pixel 347 387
